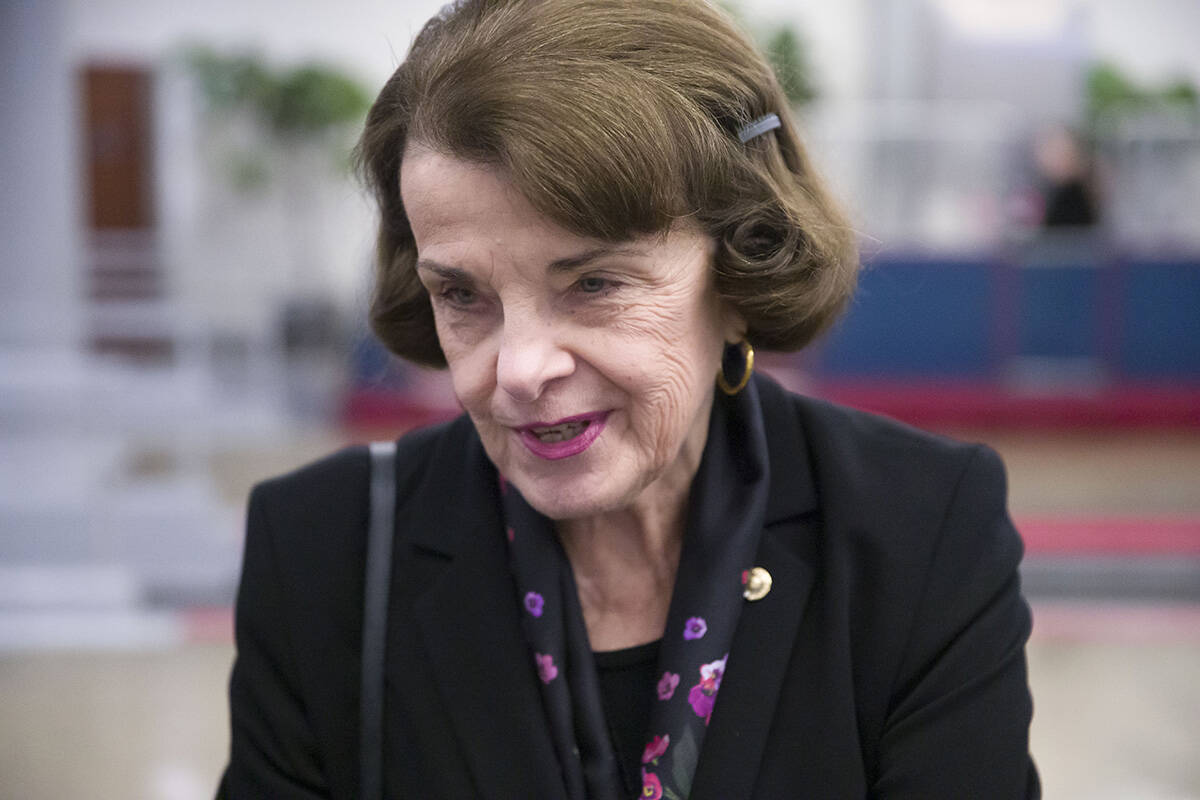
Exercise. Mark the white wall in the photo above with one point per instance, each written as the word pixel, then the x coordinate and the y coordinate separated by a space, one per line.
pixel 853 40
pixel 368 36
pixel 233 258
pixel 44 42
pixel 1155 40
pixel 833 33
pixel 39 199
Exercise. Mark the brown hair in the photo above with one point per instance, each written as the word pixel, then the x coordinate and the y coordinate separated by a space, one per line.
pixel 614 118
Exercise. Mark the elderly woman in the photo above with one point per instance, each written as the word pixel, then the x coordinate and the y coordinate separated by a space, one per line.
pixel 631 568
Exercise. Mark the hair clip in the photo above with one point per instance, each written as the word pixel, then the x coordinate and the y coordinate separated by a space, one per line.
pixel 767 122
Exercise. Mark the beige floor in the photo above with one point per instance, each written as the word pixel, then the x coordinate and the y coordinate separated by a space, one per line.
pixel 1123 472
pixel 1116 716
pixel 1119 721
pixel 1112 721
pixel 113 725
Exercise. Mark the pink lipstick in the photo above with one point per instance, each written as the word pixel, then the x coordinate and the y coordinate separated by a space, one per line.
pixel 567 437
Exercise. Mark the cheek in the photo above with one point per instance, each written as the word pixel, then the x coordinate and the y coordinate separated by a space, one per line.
pixel 670 365
pixel 472 372
pixel 472 385
pixel 674 400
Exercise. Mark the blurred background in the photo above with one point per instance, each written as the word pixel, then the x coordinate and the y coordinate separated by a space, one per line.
pixel 183 283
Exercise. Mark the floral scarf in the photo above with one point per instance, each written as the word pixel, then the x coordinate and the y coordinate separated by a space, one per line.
pixel 725 514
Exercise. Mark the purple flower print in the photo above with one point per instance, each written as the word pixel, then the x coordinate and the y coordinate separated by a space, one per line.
pixel 667 684
pixel 703 695
pixel 694 628
pixel 715 670
pixel 534 603
pixel 651 786
pixel 656 748
pixel 510 533
pixel 545 667
pixel 503 483
pixel 702 700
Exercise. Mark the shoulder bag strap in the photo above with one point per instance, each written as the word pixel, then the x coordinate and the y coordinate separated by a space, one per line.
pixel 380 531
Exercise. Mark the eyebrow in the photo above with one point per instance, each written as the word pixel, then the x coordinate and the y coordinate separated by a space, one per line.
pixel 574 262
pixel 565 264
pixel 444 272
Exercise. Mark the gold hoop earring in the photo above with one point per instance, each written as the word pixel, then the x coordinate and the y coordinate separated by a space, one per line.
pixel 747 357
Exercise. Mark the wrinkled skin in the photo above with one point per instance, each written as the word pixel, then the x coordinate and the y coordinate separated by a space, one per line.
pixel 633 329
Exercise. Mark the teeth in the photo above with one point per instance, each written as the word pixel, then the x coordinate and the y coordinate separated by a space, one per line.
pixel 560 433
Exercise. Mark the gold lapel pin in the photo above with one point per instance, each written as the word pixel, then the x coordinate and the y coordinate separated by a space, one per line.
pixel 758 584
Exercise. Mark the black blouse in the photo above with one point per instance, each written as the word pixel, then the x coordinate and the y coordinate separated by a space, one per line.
pixel 627 691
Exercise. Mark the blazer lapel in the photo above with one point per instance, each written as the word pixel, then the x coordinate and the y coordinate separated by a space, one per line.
pixel 472 634
pixel 768 628
pixel 470 630
pixel 758 661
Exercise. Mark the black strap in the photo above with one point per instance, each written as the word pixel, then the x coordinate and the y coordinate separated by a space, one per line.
pixel 380 530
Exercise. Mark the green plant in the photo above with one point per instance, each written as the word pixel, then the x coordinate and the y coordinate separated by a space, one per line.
pixel 1182 92
pixel 288 106
pixel 309 98
pixel 786 52
pixel 1108 89
pixel 1110 93
pixel 785 49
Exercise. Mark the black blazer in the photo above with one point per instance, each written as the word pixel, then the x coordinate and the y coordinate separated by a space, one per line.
pixel 887 661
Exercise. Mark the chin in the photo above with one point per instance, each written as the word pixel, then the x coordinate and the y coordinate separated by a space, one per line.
pixel 572 499
pixel 565 502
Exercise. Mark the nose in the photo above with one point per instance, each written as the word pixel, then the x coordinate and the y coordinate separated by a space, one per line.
pixel 531 357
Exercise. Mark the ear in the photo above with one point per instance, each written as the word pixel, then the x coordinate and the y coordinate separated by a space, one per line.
pixel 733 325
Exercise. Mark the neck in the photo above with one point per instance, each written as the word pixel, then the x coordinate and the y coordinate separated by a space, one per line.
pixel 624 565
pixel 624 561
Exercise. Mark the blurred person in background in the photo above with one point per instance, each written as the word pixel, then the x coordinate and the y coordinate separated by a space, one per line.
pixel 1068 191
pixel 632 567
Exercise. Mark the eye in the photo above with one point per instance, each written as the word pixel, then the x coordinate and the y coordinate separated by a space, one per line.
pixel 459 296
pixel 593 284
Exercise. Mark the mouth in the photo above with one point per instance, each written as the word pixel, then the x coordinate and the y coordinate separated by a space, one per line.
pixel 565 437
pixel 560 432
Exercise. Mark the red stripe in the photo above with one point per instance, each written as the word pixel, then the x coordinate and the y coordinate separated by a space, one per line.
pixel 368 408
pixel 934 404
pixel 1116 535
pixel 208 625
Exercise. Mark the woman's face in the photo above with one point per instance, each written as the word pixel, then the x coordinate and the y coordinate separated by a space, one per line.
pixel 587 367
